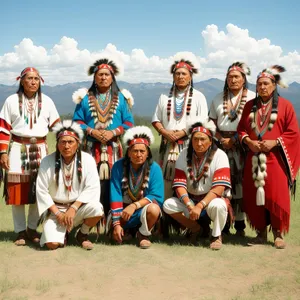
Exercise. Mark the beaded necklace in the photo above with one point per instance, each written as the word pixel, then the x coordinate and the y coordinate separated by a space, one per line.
pixel 103 113
pixel 200 167
pixel 136 180
pixel 263 118
pixel 30 104
pixel 179 106
pixel 237 109
pixel 68 171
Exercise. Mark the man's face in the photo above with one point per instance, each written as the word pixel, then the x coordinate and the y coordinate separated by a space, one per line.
pixel 182 78
pixel 103 79
pixel 30 83
pixel 67 147
pixel 235 81
pixel 138 154
pixel 265 87
pixel 201 142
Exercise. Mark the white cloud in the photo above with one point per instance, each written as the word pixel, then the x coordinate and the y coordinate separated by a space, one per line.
pixel 67 62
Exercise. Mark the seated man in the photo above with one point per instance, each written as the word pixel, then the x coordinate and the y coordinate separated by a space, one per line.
pixel 201 177
pixel 68 189
pixel 137 189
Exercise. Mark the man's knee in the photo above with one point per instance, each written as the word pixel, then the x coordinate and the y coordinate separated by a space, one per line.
pixel 218 204
pixel 153 210
pixel 52 246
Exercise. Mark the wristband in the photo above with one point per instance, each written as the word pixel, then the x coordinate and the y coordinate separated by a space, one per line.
pixel 114 133
pixel 189 204
pixel 137 204
pixel 203 203
pixel 160 129
pixel 182 196
pixel 74 207
pixel 57 213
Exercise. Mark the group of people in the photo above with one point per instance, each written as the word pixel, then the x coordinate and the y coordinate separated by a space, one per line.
pixel 238 159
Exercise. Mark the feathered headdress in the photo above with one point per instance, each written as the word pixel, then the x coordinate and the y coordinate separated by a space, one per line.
pixel 183 63
pixel 68 128
pixel 273 73
pixel 103 63
pixel 138 135
pixel 239 66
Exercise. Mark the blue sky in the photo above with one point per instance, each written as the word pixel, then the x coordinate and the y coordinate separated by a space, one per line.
pixel 159 28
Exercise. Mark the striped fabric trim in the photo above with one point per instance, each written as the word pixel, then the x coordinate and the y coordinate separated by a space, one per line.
pixel 4 130
pixel 179 179
pixel 178 184
pixel 129 124
pixel 222 177
pixel 222 183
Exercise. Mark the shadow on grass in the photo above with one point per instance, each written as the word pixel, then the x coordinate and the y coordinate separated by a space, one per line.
pixel 10 236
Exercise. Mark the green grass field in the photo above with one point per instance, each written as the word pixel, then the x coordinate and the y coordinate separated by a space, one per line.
pixel 170 270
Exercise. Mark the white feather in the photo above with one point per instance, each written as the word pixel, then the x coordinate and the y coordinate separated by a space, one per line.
pixel 186 55
pixel 136 132
pixel 79 95
pixel 282 83
pixel 128 97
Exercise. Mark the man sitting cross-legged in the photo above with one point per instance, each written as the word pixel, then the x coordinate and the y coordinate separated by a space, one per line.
pixel 68 189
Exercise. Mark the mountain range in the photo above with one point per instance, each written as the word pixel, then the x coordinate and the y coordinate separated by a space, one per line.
pixel 145 95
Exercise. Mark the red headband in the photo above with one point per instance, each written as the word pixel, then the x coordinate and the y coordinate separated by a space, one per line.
pixel 68 133
pixel 265 75
pixel 139 141
pixel 104 66
pixel 236 68
pixel 183 65
pixel 202 129
pixel 30 69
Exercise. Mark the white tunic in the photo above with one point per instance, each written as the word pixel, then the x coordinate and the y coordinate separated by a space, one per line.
pixel 48 193
pixel 19 127
pixel 217 112
pixel 218 173
pixel 10 113
pixel 198 110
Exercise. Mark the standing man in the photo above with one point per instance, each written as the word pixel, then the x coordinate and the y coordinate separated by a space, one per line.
pixel 136 188
pixel 104 113
pixel 173 115
pixel 68 189
pixel 226 110
pixel 25 120
pixel 270 131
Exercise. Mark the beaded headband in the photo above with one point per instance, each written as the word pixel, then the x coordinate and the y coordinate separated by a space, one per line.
pixel 68 133
pixel 265 75
pixel 236 68
pixel 27 70
pixel 104 66
pixel 202 129
pixel 182 64
pixel 139 141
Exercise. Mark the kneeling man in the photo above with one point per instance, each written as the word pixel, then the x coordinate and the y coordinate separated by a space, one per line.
pixel 137 189
pixel 68 189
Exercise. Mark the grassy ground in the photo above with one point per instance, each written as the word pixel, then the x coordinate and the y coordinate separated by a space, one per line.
pixel 170 270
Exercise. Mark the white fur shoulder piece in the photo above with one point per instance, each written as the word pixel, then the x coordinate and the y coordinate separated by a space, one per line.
pixel 79 95
pixel 128 97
